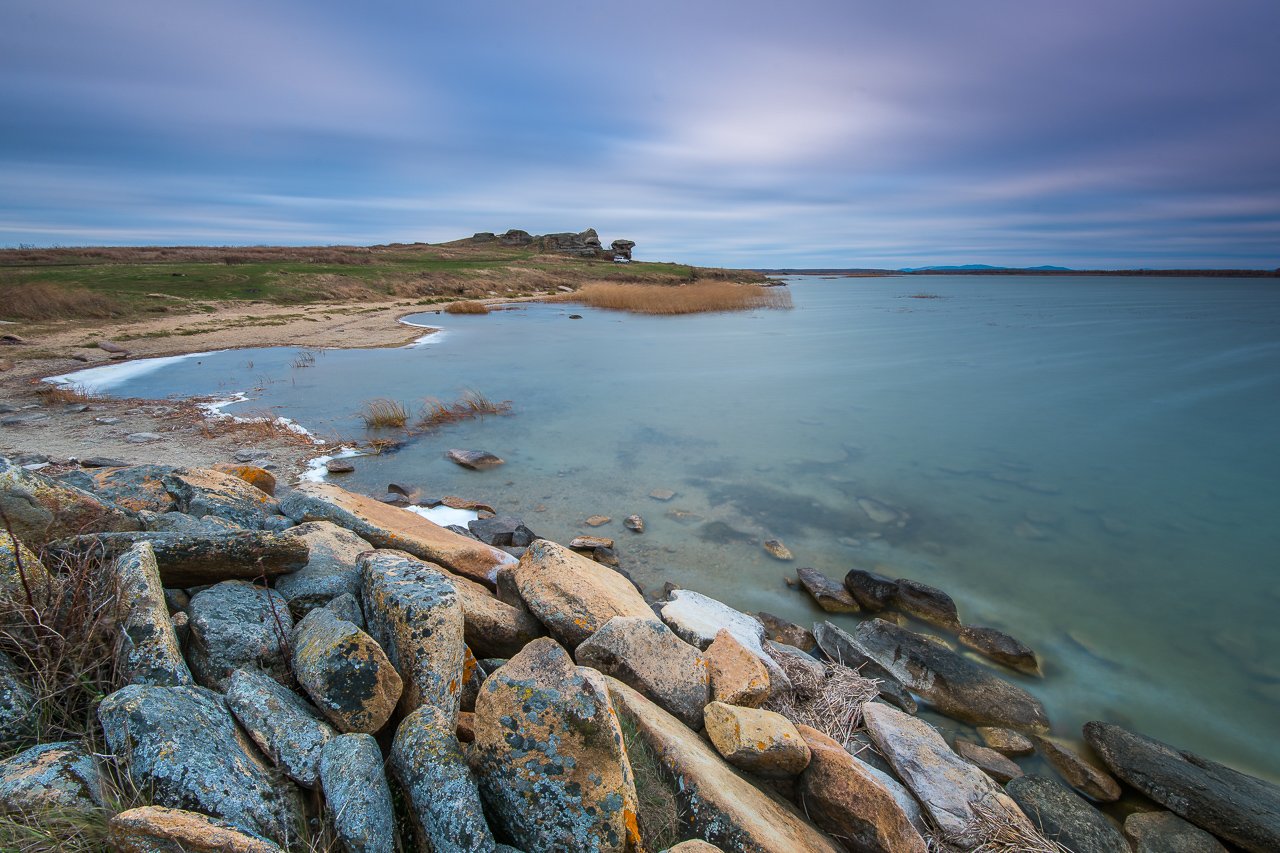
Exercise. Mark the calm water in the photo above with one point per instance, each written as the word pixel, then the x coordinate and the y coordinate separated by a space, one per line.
pixel 1089 463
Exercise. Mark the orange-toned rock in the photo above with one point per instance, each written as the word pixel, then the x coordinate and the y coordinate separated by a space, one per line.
pixel 755 740
pixel 1080 774
pixel 493 628
pixel 203 491
pixel 647 655
pixel 39 509
pixel 135 487
pixel 737 675
pixel 156 829
pixel 50 777
pixel 259 478
pixel 345 672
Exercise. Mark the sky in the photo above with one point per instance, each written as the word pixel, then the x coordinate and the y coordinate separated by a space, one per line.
pixel 811 133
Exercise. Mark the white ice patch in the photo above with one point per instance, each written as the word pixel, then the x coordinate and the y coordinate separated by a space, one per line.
pixel 432 337
pixel 110 376
pixel 445 515
pixel 316 472
pixel 213 409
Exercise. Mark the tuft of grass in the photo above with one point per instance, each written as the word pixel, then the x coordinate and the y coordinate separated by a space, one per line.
pixel 304 358
pixel 50 394
pixel 662 821
pixel 695 298
pixel 466 306
pixel 473 404
pixel 384 413
pixel 44 300
pixel 831 704
pixel 994 830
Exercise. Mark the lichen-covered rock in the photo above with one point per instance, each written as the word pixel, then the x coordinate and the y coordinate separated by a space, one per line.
pixel 50 777
pixel 572 595
pixel 841 796
pixel 427 760
pixel 926 603
pixel 24 581
pixel 147 651
pixel 693 845
pixel 549 755
pixel 260 478
pixel 286 729
pixel 135 487
pixel 1165 832
pixel 697 618
pixel 393 528
pixel 1001 648
pixel 330 570
pixel 645 654
pixel 723 806
pixel 987 760
pixel 755 740
pixel 1066 817
pixel 347 607
pixel 237 625
pixel 203 492
pixel 39 509
pixel 830 595
pixel 414 612
pixel 345 672
pixel 17 704
pixel 843 648
pixel 1094 783
pixel 357 794
pixel 182 746
pixel 156 829
pixel 493 628
pixel 737 676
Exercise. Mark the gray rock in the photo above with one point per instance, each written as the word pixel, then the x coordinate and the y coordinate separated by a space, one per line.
pixel 926 603
pixel 203 491
pixel 1235 807
pixel 696 618
pixel 502 530
pixel 357 794
pixel 251 454
pixel 1006 741
pixel 427 760
pixel 347 608
pixel 330 570
pixel 476 460
pixel 237 625
pixel 779 629
pixel 40 509
pixel 1001 648
pixel 987 760
pixel 843 648
pixel 647 655
pixel 345 672
pixel 24 419
pixel 286 729
pixel 1080 774
pixel 50 777
pixel 1065 817
pixel 147 651
pixel 954 686
pixel 1165 832
pixel 102 462
pixel 181 745
pixel 828 594
pixel 634 523
pixel 142 437
pixel 17 705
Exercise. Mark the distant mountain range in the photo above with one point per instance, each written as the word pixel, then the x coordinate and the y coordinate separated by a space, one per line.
pixel 953 268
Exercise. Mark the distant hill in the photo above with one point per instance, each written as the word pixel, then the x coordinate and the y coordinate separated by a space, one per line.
pixel 988 267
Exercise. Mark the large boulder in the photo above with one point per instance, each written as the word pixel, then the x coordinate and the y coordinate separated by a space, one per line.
pixel 723 806
pixel 18 710
pixel 156 829
pixel 1235 807
pixel 345 672
pixel 147 651
pixel 414 612
pixel 945 784
pixel 1065 817
pixel 830 595
pixel 645 654
pixel 761 742
pixel 697 618
pixel 133 487
pixel 955 686
pixel 390 527
pixel 843 648
pixel 204 492
pixel 572 595
pixel 238 625
pixel 357 794
pixel 182 746
pixel 40 509
pixel 50 777
pixel 491 627
pixel 549 755
pixel 286 729
pixel 330 570
pixel 737 676
pixel 1165 832
pixel 842 796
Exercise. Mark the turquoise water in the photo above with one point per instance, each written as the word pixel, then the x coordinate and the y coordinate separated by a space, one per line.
pixel 1088 463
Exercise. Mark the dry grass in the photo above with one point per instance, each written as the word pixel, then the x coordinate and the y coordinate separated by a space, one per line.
pixel 384 413
pixel 994 830
pixel 705 296
pixel 473 404
pixel 661 819
pixel 51 395
pixel 831 704
pixel 41 301
pixel 466 306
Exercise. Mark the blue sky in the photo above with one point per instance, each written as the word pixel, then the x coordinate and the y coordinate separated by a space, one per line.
pixel 744 133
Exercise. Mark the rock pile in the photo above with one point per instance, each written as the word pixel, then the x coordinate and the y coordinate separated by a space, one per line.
pixel 585 244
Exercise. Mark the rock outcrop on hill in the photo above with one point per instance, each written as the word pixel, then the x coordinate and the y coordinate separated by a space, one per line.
pixel 585 244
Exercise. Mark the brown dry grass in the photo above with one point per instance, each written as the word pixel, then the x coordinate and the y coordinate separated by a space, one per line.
pixel 41 301
pixel 473 404
pixel 384 413
pixel 50 394
pixel 832 704
pixel 705 296
pixel 994 830
pixel 466 306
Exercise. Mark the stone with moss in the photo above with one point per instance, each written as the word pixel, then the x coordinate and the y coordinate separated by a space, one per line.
pixel 50 778
pixel 147 651
pixel 156 829
pixel 24 581
pixel 287 729
pixel 345 672
pixel 238 625
pixel 17 705
pixel 39 509
pixel 356 793
pixel 330 570
pixel 758 741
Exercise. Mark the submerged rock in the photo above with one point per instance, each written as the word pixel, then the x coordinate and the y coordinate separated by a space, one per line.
pixel 1001 648
pixel 476 460
pixel 1065 817
pixel 1006 741
pixel 634 523
pixel 357 795
pixel 428 762
pixel 774 548
pixel 829 595
pixel 156 829
pixel 238 625
pixel 645 654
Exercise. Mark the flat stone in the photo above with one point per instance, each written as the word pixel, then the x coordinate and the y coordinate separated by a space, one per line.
pixel 238 625
pixel 590 543
pixel 445 802
pixel 987 760
pixel 829 595
pixel 1080 774
pixel 50 777
pixel 455 502
pixel 840 795
pixel 598 520
pixel 17 705
pixel 156 829
pixel 504 531
pixel 147 651
pixel 387 527
pixel 142 437
pixel 926 603
pixel 777 628
pixel 693 845
pixel 101 462
pixel 761 742
pixel 634 523
pixel 549 755
pixel 956 687
pixel 134 487
pixel 1065 817
pixel 736 673
pixel 1233 806
pixel 945 784
pixel 357 794
pixel 1001 648
pixel 476 460
pixel 697 618
pixel 774 548
pixel 339 466
pixel 251 454
pixel 40 509
pixel 182 746
pixel 1006 741
pixel 662 494
pixel 843 648
pixel 330 570
pixel 204 491
pixel 722 805
pixel 571 595
pixel 287 730
pixel 1165 832
pixel 260 478
pixel 414 612
pixel 647 655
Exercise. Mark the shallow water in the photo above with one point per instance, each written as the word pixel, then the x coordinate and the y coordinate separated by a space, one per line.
pixel 1088 463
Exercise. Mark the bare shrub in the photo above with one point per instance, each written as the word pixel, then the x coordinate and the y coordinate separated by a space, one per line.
pixel 466 306
pixel 696 298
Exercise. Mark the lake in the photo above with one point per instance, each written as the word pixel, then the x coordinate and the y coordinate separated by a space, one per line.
pixel 1089 463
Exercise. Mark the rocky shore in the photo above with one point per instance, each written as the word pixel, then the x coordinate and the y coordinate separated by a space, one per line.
pixel 309 668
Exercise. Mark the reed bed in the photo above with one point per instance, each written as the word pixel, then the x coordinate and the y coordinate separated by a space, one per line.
pixel 473 404
pixel 466 306
pixel 384 413
pixel 696 298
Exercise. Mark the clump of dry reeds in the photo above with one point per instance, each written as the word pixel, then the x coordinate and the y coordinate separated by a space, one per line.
pixel 436 413
pixel 384 413
pixel 699 297
pixel 42 300
pixel 50 394
pixel 993 829
pixel 831 703
pixel 466 306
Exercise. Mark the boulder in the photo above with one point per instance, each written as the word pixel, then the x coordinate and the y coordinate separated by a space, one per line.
pixel 843 648
pixel 357 795
pixel 989 761
pixel 722 805
pixel 829 595
pixel 415 613
pixel 839 794
pixel 1165 832
pixel 476 460
pixel 260 478
pixel 1006 741
pixel 330 570
pixel 761 742
pixel 24 581
pixel 1001 648
pixel 571 595
pixel 884 775
pixel 182 746
pixel 287 730
pixel 133 487
pixel 39 509
pixel 956 687
pixel 345 672
pixel 697 618
pixel 926 603
pixel 156 829
pixel 645 654
pixel 492 628
pixel 945 784
pixel 779 629
pixel 1080 774
pixel 549 755
pixel 238 625
pixel 17 705
pixel 427 760
pixel 1065 817
pixel 347 608
pixel 505 531
pixel 388 527
pixel 737 676
pixel 203 491
pixel 50 777
pixel 634 523
pixel 147 651
pixel 872 591
pixel 1235 807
